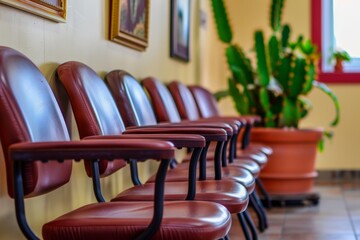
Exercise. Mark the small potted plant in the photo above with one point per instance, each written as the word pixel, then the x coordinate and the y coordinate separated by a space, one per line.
pixel 340 56
pixel 275 87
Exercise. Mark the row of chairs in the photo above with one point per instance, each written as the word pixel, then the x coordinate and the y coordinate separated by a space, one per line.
pixel 118 126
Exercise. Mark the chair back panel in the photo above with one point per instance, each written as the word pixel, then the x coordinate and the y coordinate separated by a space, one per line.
pixel 162 101
pixel 131 99
pixel 29 112
pixel 94 108
pixel 205 102
pixel 184 100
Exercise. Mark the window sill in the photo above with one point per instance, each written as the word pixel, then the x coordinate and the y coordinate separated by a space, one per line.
pixel 340 78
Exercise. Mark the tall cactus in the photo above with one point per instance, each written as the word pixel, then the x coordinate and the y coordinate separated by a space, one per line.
pixel 290 65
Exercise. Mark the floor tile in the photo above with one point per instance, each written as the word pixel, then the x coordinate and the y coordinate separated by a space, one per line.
pixel 337 217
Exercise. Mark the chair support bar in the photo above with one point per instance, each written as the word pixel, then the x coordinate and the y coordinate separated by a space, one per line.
pixel 223 157
pixel 158 201
pixel 134 172
pixel 96 181
pixel 202 168
pixel 19 203
pixel 192 174
pixel 217 160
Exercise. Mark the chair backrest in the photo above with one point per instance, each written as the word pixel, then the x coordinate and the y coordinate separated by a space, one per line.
pixel 131 99
pixel 94 108
pixel 184 100
pixel 162 101
pixel 30 113
pixel 205 101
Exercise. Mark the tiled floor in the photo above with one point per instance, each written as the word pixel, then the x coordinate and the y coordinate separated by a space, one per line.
pixel 337 217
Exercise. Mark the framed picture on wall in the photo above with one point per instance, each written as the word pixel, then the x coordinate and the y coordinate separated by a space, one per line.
pixel 180 29
pixel 129 23
pixel 54 10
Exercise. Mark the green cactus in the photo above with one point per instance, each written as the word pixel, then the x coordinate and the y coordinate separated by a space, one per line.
pixel 289 65
pixel 222 22
pixel 275 14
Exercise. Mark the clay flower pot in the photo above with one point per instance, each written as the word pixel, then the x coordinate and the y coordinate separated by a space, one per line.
pixel 291 167
pixel 338 65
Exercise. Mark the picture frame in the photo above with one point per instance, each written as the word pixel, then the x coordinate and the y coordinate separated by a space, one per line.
pixel 129 23
pixel 54 10
pixel 180 29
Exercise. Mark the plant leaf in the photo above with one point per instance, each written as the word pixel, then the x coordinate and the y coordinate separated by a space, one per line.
pixel 275 14
pixel 265 103
pixel 221 21
pixel 285 36
pixel 309 76
pixel 240 101
pixel 236 58
pixel 221 94
pixel 262 66
pixel 290 113
pixel 297 77
pixel 274 52
pixel 324 88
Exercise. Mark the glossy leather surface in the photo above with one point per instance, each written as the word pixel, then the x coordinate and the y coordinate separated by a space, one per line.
pixel 247 164
pixel 205 101
pixel 179 140
pixel 126 220
pixel 106 148
pixel 93 105
pixel 94 108
pixel 29 112
pixel 130 98
pixel 184 100
pixel 235 173
pixel 228 193
pixel 163 103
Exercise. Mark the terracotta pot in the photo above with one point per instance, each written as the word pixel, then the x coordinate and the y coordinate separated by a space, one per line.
pixel 338 66
pixel 291 167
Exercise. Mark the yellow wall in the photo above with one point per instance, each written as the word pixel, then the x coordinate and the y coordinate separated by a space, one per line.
pixel 84 38
pixel 248 16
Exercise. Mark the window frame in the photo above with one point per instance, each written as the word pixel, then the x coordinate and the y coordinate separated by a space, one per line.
pixel 316 35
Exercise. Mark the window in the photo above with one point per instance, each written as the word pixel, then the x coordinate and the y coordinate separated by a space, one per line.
pixel 331 30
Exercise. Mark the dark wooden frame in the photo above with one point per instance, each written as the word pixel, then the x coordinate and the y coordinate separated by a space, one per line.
pixel 174 52
pixel 52 10
pixel 126 38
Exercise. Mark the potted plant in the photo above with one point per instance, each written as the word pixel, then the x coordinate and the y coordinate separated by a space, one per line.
pixel 340 56
pixel 275 87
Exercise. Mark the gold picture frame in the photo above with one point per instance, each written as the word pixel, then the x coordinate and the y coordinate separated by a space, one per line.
pixel 54 10
pixel 129 23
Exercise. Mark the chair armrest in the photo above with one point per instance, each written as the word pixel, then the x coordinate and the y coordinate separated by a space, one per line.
pixel 92 149
pixel 251 119
pixel 210 134
pixel 233 123
pixel 179 140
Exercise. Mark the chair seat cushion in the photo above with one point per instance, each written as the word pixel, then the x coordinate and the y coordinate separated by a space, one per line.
pixel 228 193
pixel 255 155
pixel 239 175
pixel 260 147
pixel 126 220
pixel 248 164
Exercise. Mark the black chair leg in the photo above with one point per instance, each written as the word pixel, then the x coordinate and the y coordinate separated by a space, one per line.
pixel 262 209
pixel 259 214
pixel 251 225
pixel 264 193
pixel 244 226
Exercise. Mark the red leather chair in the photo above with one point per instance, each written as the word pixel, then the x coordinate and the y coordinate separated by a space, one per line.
pixel 166 110
pixel 206 104
pixel 97 116
pixel 208 108
pixel 130 96
pixel 37 146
